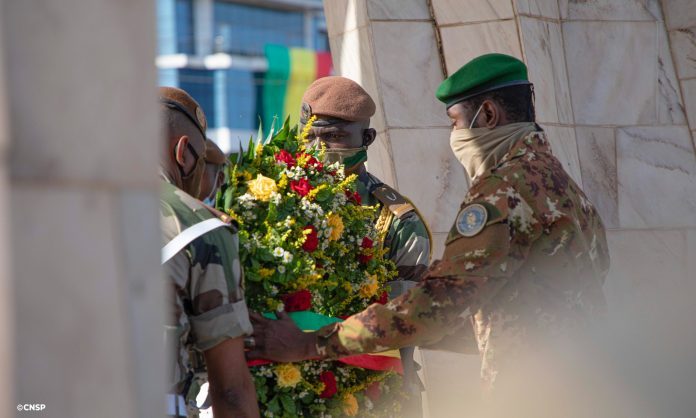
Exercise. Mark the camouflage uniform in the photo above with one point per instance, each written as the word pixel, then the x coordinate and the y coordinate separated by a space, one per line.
pixel 205 296
pixel 535 269
pixel 404 233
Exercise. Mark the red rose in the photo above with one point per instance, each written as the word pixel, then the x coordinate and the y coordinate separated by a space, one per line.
pixel 301 186
pixel 383 298
pixel 297 301
pixel 329 381
pixel 373 392
pixel 365 256
pixel 312 241
pixel 313 162
pixel 354 197
pixel 285 157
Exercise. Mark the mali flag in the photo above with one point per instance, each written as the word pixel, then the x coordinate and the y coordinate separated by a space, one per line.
pixel 290 72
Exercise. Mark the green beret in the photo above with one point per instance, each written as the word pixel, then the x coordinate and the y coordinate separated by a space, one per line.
pixel 481 75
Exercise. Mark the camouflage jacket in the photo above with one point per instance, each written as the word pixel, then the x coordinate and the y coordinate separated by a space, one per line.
pixel 205 295
pixel 406 237
pixel 526 259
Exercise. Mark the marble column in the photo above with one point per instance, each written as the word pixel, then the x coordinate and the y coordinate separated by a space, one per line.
pixel 81 123
pixel 7 308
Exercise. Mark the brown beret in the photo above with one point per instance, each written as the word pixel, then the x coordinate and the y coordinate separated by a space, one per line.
pixel 337 97
pixel 213 153
pixel 178 99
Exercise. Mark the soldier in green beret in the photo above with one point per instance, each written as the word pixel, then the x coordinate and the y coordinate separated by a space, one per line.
pixel 208 316
pixel 524 262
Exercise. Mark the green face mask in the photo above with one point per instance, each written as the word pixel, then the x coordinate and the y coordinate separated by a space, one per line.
pixel 349 157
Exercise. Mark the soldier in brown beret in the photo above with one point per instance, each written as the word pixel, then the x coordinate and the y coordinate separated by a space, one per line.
pixel 342 110
pixel 214 177
pixel 208 318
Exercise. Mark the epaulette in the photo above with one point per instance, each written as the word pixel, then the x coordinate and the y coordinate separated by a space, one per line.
pixel 393 200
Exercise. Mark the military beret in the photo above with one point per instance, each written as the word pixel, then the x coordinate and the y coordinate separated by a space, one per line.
pixel 482 74
pixel 213 153
pixel 178 99
pixel 337 99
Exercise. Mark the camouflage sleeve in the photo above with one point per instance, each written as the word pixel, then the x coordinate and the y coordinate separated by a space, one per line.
pixel 409 246
pixel 473 269
pixel 207 279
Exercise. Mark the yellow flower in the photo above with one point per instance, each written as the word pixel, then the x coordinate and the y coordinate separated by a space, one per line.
pixel 283 182
pixel 307 128
pixel 288 375
pixel 262 187
pixel 336 224
pixel 264 272
pixel 350 405
pixel 369 288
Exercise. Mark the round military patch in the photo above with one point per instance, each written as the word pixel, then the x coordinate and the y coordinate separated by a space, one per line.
pixel 471 220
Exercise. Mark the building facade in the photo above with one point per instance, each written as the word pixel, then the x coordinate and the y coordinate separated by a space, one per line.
pixel 217 51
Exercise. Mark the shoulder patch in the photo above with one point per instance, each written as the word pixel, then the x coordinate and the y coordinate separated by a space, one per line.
pixel 471 220
pixel 393 200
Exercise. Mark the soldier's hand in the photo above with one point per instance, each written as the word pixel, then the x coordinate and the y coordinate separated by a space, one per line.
pixel 280 340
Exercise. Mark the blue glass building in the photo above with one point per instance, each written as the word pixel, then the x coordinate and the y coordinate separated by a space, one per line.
pixel 214 49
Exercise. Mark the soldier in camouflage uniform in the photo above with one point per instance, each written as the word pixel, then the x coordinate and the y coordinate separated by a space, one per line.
pixel 342 111
pixel 209 318
pixel 524 262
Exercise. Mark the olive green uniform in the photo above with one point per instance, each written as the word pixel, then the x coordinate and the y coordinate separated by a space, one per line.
pixel 205 294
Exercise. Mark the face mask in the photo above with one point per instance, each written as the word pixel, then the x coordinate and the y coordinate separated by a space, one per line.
pixel 349 157
pixel 480 149
pixel 210 201
pixel 191 182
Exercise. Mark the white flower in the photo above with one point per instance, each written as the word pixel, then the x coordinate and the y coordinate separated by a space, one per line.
pixel 276 198
pixel 280 307
pixel 274 290
pixel 287 257
pixel 281 269
pixel 278 252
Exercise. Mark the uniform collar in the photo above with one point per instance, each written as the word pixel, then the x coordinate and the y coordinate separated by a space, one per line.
pixel 535 142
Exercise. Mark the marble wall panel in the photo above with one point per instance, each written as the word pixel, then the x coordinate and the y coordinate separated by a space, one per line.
pixel 352 55
pixel 408 75
pixel 564 147
pixel 345 15
pixel 438 244
pixel 89 121
pixel 689 90
pixel 429 174
pixel 611 83
pixel 543 8
pixel 72 339
pixel 683 43
pixel 597 156
pixel 545 59
pixel 464 43
pixel 647 10
pixel 656 172
pixel 644 263
pixel 448 12
pixel 380 161
pixel 398 9
pixel 670 106
pixel 679 13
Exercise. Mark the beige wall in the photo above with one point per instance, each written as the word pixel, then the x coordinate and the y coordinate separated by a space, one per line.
pixel 615 90
pixel 78 112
